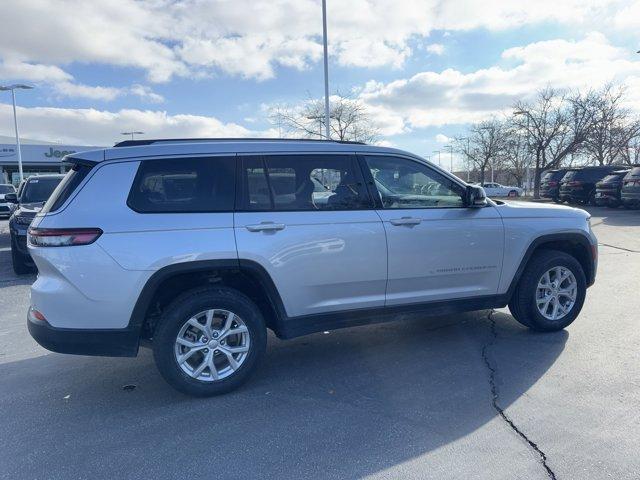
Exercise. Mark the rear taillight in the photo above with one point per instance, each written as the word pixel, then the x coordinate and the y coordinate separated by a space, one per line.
pixel 552 183
pixel 62 237
pixel 573 183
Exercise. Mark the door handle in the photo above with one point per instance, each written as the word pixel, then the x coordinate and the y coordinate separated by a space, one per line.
pixel 405 221
pixel 265 227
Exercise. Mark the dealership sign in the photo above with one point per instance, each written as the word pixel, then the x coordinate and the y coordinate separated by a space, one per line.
pixel 39 154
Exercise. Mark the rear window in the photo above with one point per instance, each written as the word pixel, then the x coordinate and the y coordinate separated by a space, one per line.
pixel 552 175
pixel 635 172
pixel 184 185
pixel 38 189
pixel 66 187
pixel 613 178
pixel 587 174
pixel 7 189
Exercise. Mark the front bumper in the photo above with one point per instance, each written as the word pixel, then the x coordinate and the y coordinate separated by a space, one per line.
pixel 108 343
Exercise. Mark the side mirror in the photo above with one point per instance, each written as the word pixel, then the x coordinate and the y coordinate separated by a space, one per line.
pixel 11 198
pixel 476 197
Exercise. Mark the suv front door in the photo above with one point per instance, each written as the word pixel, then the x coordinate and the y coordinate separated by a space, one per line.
pixel 438 249
pixel 310 222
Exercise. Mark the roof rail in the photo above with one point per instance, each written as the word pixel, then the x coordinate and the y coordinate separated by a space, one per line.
pixel 136 143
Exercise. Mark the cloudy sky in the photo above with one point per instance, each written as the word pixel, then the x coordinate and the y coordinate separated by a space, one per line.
pixel 424 68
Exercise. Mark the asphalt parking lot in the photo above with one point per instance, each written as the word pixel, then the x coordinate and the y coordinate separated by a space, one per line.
pixel 410 399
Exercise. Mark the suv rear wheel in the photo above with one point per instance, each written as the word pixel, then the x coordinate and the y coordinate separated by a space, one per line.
pixel 550 294
pixel 209 341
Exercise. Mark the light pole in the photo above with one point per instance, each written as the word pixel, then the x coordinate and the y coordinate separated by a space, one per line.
pixel 132 133
pixel 13 89
pixel 528 175
pixel 326 70
pixel 450 157
pixel 468 155
pixel 438 152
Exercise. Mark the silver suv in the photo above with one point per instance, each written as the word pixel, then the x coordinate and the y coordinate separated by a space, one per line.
pixel 197 247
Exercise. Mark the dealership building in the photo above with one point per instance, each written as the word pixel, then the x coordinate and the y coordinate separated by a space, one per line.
pixel 37 157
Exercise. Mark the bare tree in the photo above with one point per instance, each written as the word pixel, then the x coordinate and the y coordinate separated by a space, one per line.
pixel 613 127
pixel 348 119
pixel 557 125
pixel 631 154
pixel 484 145
pixel 516 153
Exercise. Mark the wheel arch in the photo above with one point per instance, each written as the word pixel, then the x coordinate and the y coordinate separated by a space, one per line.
pixel 575 244
pixel 246 276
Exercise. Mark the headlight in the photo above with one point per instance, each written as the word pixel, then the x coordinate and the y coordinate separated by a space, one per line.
pixel 22 220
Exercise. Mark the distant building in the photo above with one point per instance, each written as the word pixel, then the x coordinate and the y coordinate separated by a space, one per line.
pixel 38 157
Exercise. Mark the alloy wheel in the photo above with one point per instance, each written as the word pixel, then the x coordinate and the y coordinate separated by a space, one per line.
pixel 556 293
pixel 212 345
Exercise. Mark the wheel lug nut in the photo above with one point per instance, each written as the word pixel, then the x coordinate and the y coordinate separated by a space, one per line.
pixel 215 335
pixel 206 350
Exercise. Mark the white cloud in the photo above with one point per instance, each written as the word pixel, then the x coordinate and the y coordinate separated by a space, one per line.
pixel 102 127
pixel 441 138
pixel 32 72
pixel 453 97
pixel 249 38
pixel 146 93
pixel 435 48
pixel 71 89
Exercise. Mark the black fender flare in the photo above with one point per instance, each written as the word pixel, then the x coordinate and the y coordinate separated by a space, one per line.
pixel 573 237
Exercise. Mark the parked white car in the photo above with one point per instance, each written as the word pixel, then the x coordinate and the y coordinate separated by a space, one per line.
pixel 497 190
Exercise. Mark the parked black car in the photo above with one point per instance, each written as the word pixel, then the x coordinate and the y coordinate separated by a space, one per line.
pixel 4 205
pixel 630 194
pixel 32 196
pixel 608 189
pixel 579 184
pixel 550 183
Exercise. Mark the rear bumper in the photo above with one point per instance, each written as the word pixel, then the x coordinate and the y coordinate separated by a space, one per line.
pixel 604 197
pixel 631 196
pixel 108 343
pixel 549 192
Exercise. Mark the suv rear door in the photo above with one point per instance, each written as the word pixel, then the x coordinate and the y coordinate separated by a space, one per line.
pixel 309 221
pixel 438 249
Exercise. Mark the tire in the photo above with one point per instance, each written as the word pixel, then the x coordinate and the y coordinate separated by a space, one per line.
pixel 557 200
pixel 512 194
pixel 523 304
pixel 613 204
pixel 19 263
pixel 184 309
pixel 591 200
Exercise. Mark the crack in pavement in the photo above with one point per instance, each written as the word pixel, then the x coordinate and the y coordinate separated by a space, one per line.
pixel 618 248
pixel 494 399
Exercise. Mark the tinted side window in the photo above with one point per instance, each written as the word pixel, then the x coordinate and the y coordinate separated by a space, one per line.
pixel 404 183
pixel 184 185
pixel 66 187
pixel 309 182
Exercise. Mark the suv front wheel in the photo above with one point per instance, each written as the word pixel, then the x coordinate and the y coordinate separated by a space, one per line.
pixel 550 293
pixel 209 341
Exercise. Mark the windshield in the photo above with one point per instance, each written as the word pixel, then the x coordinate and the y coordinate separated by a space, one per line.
pixel 7 189
pixel 37 190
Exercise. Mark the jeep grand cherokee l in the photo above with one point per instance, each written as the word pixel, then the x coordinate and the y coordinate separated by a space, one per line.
pixel 198 247
pixel 579 184
pixel 550 183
